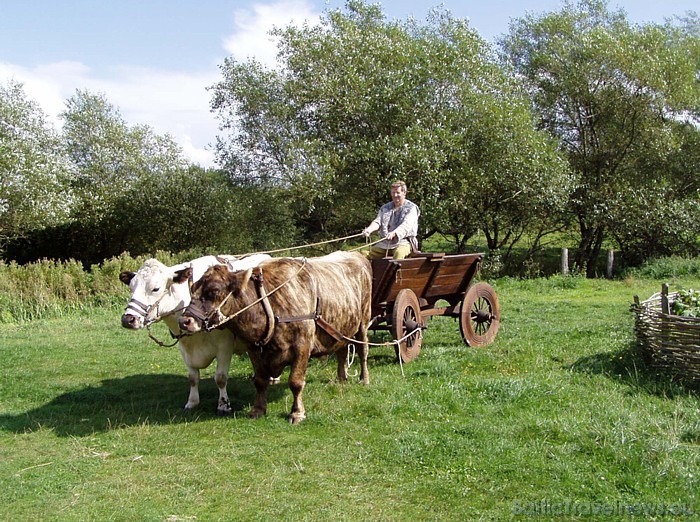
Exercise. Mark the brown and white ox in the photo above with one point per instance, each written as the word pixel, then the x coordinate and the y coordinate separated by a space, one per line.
pixel 288 310
pixel 156 296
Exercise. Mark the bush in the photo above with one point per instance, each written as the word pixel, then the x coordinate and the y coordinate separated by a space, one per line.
pixel 668 268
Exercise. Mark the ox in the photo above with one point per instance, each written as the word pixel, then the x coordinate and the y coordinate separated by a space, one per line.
pixel 288 310
pixel 155 296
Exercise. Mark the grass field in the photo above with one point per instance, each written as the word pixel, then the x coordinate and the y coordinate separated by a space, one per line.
pixel 558 418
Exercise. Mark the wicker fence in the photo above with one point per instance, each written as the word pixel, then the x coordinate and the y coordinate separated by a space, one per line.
pixel 668 341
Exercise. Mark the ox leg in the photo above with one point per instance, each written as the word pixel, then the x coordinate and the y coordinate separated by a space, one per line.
pixel 261 380
pixel 223 364
pixel 342 356
pixel 363 352
pixel 193 399
pixel 297 381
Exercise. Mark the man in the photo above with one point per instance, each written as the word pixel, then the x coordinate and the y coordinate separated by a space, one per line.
pixel 397 223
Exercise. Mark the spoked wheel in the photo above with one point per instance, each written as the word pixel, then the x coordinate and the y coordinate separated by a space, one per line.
pixel 480 315
pixel 406 318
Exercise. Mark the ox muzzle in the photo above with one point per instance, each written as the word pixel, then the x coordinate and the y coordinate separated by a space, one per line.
pixel 195 318
pixel 137 315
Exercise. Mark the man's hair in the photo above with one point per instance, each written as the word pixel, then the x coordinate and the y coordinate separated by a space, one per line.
pixel 399 184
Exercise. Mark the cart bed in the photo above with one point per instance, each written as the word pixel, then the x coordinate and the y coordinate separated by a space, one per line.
pixel 431 277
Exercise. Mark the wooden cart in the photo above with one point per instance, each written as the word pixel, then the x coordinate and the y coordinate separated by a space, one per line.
pixel 405 292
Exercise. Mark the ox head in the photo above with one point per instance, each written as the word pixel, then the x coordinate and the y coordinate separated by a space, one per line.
pixel 151 293
pixel 209 295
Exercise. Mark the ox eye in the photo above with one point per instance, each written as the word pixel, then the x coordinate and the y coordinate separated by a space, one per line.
pixel 156 289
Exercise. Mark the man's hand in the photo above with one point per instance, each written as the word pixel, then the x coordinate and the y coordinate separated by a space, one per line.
pixel 391 235
pixel 366 232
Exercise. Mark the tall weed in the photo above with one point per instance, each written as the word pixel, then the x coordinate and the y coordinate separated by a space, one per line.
pixel 49 288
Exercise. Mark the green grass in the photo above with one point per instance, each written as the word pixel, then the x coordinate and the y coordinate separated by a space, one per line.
pixel 558 409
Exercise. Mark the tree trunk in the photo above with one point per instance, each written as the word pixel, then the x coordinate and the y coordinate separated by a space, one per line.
pixel 589 248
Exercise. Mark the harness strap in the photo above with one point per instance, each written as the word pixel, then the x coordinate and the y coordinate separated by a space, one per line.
pixel 308 317
pixel 329 329
pixel 138 307
pixel 274 320
pixel 269 316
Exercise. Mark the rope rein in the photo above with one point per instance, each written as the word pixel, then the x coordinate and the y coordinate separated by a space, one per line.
pixel 309 245
pixel 161 343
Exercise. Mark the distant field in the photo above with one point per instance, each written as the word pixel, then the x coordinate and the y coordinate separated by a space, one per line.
pixel 557 418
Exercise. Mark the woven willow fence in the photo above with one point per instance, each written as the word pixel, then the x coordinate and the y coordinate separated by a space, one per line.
pixel 669 341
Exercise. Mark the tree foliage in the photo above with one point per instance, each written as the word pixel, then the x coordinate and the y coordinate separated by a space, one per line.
pixel 585 122
pixel 358 101
pixel 34 175
pixel 613 93
pixel 109 156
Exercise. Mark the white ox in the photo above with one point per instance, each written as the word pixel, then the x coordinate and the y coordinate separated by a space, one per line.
pixel 155 296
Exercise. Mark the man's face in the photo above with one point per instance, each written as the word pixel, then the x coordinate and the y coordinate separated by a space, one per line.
pixel 398 196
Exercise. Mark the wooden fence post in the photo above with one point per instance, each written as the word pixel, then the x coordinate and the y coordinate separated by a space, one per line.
pixel 611 261
pixel 664 299
pixel 564 261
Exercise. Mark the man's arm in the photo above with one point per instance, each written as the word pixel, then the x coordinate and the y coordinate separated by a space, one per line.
pixel 372 227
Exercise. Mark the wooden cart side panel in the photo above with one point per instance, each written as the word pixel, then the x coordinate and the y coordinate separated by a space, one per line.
pixel 454 275
pixel 430 277
pixel 383 273
pixel 412 273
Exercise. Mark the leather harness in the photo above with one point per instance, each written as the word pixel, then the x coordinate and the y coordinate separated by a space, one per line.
pixel 274 320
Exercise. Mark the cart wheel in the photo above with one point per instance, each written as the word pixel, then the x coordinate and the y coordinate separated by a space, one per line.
pixel 405 318
pixel 480 315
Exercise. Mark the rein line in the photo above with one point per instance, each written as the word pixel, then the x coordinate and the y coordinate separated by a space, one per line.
pixel 161 343
pixel 308 245
pixel 175 337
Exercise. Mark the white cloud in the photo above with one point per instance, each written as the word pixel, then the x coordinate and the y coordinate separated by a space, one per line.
pixel 169 102
pixel 251 38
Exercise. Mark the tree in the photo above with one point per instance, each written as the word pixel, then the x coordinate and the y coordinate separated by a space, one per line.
pixel 613 94
pixel 198 209
pixel 34 176
pixel 358 101
pixel 109 156
pixel 114 162
pixel 662 218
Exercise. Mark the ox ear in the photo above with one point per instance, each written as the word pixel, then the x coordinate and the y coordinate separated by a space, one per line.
pixel 183 275
pixel 126 277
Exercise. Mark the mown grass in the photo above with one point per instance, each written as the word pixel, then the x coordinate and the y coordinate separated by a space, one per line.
pixel 558 409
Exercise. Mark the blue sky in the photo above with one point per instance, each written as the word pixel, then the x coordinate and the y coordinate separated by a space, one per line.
pixel 153 59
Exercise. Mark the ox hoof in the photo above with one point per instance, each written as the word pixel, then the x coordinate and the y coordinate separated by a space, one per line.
pixel 224 408
pixel 223 412
pixel 296 418
pixel 188 407
pixel 256 414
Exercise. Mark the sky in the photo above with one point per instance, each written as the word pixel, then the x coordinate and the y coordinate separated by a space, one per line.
pixel 154 59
